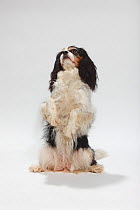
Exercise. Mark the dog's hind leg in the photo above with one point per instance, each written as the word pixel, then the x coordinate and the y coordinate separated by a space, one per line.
pixel 48 158
pixel 83 159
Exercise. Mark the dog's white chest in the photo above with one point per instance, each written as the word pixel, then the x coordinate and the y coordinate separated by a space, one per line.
pixel 70 93
pixel 69 83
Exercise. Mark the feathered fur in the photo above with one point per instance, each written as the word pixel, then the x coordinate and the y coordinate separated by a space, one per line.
pixel 69 113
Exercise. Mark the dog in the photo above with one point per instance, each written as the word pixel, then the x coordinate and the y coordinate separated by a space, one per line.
pixel 68 115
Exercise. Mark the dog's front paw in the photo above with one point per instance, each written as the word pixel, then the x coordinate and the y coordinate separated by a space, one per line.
pixel 53 120
pixel 84 118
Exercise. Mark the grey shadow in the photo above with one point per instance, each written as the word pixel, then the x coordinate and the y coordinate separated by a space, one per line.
pixel 83 180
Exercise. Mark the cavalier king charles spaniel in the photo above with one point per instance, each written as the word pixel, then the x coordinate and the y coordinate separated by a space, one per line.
pixel 68 115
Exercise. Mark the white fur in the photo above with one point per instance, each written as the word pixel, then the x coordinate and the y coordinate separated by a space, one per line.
pixel 99 154
pixel 67 64
pixel 69 109
pixel 70 102
pixel 81 159
pixel 63 157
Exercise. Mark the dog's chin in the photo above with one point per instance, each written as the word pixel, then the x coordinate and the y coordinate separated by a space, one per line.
pixel 67 63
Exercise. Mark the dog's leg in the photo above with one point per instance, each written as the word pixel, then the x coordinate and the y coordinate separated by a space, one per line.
pixel 48 158
pixel 79 123
pixel 83 161
pixel 49 113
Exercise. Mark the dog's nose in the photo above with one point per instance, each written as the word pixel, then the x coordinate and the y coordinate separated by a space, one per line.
pixel 65 52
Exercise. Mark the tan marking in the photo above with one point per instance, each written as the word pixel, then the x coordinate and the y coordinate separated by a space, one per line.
pixel 70 48
pixel 77 59
pixel 35 169
pixel 92 169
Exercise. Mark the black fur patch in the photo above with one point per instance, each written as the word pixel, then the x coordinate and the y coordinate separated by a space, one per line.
pixel 82 142
pixel 87 70
pixel 94 162
pixel 56 69
pixel 49 134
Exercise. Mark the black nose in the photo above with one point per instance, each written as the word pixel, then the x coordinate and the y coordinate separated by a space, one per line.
pixel 65 52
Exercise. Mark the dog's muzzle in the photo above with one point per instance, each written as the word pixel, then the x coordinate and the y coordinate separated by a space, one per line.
pixel 65 55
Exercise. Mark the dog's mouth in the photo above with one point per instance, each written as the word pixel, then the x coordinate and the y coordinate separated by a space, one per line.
pixel 66 57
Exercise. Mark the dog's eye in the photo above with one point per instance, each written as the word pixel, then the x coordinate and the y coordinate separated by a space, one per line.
pixel 74 51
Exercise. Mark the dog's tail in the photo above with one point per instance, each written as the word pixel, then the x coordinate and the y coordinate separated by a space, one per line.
pixel 99 154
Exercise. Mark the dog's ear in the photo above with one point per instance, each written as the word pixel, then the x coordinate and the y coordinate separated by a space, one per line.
pixel 87 70
pixel 56 69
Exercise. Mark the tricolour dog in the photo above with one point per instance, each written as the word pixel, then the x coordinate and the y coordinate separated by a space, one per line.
pixel 68 115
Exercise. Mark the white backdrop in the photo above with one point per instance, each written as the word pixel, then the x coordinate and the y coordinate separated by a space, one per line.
pixel 31 33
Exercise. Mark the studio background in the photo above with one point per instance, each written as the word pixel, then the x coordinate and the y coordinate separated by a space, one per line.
pixel 31 34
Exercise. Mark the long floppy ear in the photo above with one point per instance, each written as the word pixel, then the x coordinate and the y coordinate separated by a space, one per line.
pixel 87 70
pixel 56 69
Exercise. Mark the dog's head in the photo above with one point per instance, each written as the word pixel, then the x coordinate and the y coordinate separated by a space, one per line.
pixel 75 57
